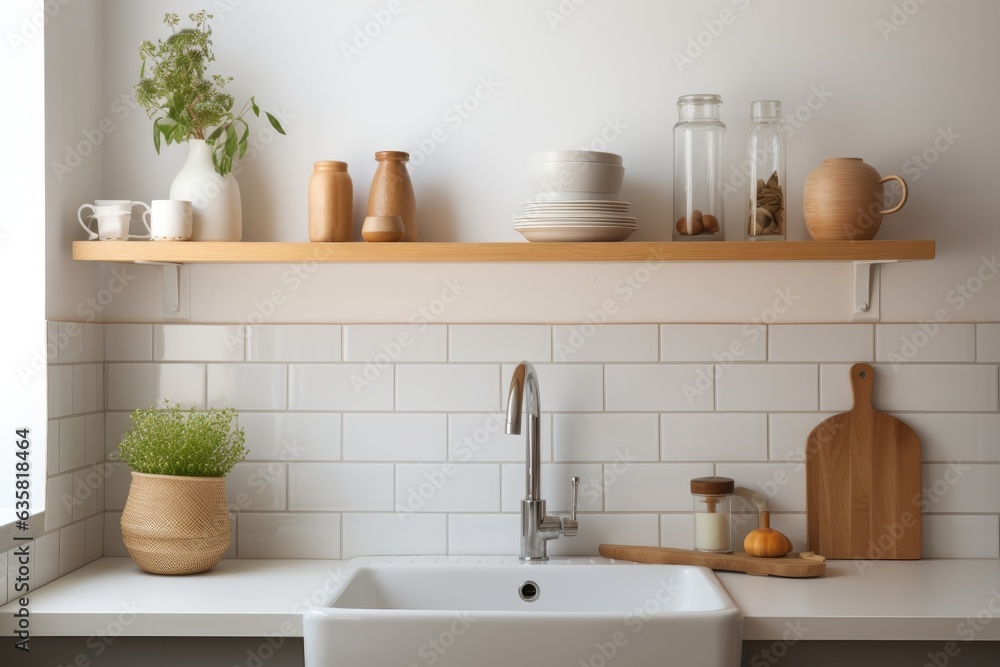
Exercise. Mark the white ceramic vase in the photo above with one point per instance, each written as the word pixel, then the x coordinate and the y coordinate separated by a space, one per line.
pixel 215 200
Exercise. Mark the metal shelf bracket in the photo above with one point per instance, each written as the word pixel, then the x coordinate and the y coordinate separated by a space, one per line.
pixel 176 283
pixel 865 300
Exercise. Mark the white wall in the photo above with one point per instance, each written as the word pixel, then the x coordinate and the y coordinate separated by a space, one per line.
pixel 888 95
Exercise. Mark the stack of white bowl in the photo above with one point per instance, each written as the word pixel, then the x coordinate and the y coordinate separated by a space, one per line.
pixel 574 197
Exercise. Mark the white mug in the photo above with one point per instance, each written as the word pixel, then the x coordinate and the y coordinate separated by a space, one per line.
pixel 112 226
pixel 169 220
pixel 104 207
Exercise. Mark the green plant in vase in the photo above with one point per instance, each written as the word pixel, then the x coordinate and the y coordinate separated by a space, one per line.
pixel 186 103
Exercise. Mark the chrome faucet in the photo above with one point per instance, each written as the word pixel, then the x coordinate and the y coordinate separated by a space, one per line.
pixel 536 527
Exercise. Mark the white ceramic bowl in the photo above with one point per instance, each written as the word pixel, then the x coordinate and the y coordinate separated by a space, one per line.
pixel 598 180
pixel 576 156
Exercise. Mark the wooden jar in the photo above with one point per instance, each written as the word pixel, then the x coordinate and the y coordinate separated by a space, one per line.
pixel 844 200
pixel 392 191
pixel 331 199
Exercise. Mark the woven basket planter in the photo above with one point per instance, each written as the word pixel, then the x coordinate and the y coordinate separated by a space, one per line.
pixel 176 525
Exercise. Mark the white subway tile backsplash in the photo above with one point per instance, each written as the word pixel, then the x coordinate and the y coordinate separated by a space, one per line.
pixel 293 342
pixel 598 529
pixel 957 536
pixel 128 342
pixel 790 432
pixel 51 449
pixel 341 387
pixel 115 426
pixel 387 343
pixel 484 534
pixel 714 437
pixel 72 548
pixel 481 437
pixel 185 342
pixel 448 487
pixel 565 387
pixel 650 487
pixel 917 387
pixel 605 343
pixel 793 525
pixel 72 443
pixel 556 486
pixel 720 343
pixel 605 437
pixel 292 436
pixel 70 342
pixel 94 439
pixel 926 342
pixel 447 388
pixel 783 484
pixel 677 531
pixel 116 485
pixel 51 357
pixel 60 391
pixel 247 386
pixel 58 501
pixel 960 487
pixel 956 437
pixel 388 534
pixel 821 342
pixel 509 343
pixel 93 342
pixel 254 487
pixel 659 387
pixel 335 487
pixel 94 539
pixel 395 437
pixel 88 486
pixel 132 386
pixel 46 560
pixel 85 388
pixel 988 343
pixel 113 545
pixel 754 387
pixel 280 535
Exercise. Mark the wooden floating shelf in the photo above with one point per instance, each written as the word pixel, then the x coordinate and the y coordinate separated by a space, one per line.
pixel 211 252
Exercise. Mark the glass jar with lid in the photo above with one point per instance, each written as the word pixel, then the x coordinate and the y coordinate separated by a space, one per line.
pixel 712 518
pixel 699 154
pixel 765 168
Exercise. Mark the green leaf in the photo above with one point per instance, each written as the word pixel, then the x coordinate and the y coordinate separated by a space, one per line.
pixel 256 109
pixel 231 141
pixel 215 135
pixel 243 148
pixel 156 136
pixel 142 70
pixel 274 123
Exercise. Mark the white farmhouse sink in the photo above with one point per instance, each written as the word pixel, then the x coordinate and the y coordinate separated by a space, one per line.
pixel 481 611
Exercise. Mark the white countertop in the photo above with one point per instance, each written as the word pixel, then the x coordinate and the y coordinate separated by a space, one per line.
pixel 874 600
pixel 888 600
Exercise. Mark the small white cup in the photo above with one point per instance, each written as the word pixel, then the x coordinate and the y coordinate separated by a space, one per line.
pixel 109 207
pixel 169 220
pixel 113 226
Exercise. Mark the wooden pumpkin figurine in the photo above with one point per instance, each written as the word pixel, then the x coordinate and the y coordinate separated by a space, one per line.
pixel 766 542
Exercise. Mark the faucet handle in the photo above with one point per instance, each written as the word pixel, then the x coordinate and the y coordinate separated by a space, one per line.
pixel 569 525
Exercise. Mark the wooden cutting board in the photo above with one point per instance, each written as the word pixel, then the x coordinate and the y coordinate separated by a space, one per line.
pixel 790 565
pixel 863 481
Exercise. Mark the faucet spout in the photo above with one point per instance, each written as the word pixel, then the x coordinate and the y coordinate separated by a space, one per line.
pixel 537 528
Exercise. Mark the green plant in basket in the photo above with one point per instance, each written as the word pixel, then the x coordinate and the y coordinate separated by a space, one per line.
pixel 172 441
pixel 184 101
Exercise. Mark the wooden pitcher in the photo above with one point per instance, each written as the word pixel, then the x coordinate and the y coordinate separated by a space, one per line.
pixel 844 200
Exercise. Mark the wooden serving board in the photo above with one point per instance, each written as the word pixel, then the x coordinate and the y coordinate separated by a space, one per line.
pixel 791 565
pixel 863 481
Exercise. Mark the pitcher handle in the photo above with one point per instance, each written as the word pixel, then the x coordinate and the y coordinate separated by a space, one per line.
pixel 79 217
pixel 902 200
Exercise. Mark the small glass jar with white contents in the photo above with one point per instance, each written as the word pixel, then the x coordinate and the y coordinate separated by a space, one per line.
pixel 712 513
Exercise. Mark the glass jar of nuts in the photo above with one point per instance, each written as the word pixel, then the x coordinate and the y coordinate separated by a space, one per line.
pixel 699 151
pixel 765 169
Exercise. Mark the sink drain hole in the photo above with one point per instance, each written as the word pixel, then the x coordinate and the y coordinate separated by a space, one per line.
pixel 528 591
